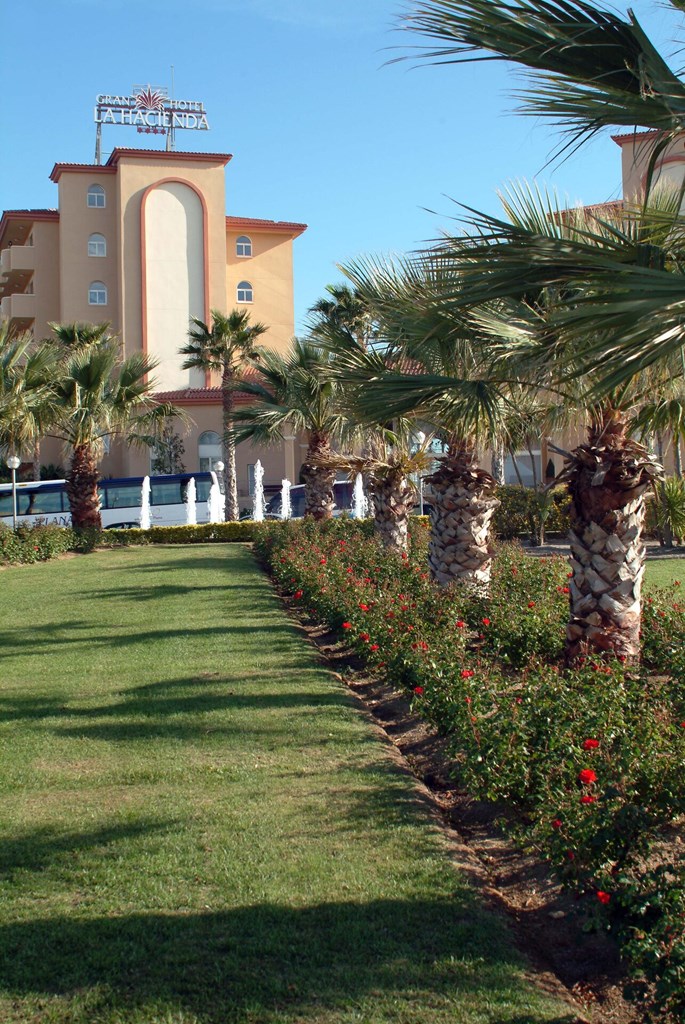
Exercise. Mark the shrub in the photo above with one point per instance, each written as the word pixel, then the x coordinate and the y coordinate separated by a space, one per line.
pixel 34 543
pixel 592 758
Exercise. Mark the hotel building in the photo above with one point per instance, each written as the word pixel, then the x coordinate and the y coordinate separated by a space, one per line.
pixel 143 241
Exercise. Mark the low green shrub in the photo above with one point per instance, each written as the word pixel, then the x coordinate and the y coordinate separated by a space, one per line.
pixel 36 543
pixel 519 513
pixel 205 533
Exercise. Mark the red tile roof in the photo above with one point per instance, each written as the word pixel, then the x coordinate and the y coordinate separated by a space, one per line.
pixel 157 154
pixel 198 396
pixel 287 227
pixel 624 137
pixel 30 215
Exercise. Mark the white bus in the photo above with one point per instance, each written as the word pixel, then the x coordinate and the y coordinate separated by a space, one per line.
pixel 46 501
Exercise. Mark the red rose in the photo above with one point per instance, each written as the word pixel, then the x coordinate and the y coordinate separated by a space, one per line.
pixel 459 624
pixel 347 625
pixel 298 594
pixel 364 637
pixel 603 897
pixel 590 744
pixel 587 776
pixel 466 673
pixel 364 607
pixel 418 690
pixel 486 622
pixel 322 562
pixel 557 823
pixel 588 799
pixel 531 604
pixel 373 647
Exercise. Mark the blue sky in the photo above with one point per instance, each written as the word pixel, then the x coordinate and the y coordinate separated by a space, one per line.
pixel 321 128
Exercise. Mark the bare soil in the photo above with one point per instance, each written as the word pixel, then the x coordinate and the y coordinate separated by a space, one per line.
pixel 582 967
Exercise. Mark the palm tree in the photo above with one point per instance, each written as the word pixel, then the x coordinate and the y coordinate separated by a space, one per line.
pixel 26 374
pixel 96 395
pixel 528 259
pixel 297 392
pixel 225 347
pixel 436 367
pixel 345 312
pixel 589 69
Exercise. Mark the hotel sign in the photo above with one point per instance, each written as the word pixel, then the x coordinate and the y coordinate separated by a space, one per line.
pixel 151 111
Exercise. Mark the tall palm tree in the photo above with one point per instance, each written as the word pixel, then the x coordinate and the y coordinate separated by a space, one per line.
pixel 297 392
pixel 96 396
pixel 345 312
pixel 224 347
pixel 438 368
pixel 529 258
pixel 589 68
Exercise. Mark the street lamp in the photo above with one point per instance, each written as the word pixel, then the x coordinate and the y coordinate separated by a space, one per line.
pixel 13 463
pixel 219 468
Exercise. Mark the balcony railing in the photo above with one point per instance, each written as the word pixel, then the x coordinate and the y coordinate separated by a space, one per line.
pixel 18 307
pixel 16 258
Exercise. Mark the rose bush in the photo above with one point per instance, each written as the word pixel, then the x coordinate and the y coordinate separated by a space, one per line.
pixel 590 759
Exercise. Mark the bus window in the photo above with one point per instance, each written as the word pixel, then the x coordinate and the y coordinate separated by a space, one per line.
pixel 39 502
pixel 6 504
pixel 166 493
pixel 122 495
pixel 202 487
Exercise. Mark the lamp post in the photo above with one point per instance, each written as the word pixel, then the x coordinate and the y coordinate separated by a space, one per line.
pixel 219 468
pixel 13 463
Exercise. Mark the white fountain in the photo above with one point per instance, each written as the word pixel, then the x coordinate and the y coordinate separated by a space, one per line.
pixel 144 517
pixel 258 500
pixel 286 509
pixel 191 507
pixel 360 502
pixel 215 503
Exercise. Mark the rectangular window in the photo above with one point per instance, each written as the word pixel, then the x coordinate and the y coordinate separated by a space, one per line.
pixel 166 493
pixel 123 496
pixel 37 503
pixel 202 489
pixel 250 480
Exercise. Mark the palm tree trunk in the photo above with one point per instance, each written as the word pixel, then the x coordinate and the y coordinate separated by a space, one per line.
pixel 231 508
pixel 318 479
pixel 497 467
pixel 36 460
pixel 463 506
pixel 82 489
pixel 607 479
pixel 677 455
pixel 392 497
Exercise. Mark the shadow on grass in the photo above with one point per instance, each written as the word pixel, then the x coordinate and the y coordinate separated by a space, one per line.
pixel 168 708
pixel 39 848
pixel 260 962
pixel 24 640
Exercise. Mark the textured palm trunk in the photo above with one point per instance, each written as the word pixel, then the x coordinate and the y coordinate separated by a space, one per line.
pixel 82 489
pixel 607 479
pixel 231 508
pixel 36 460
pixel 318 478
pixel 392 497
pixel 463 505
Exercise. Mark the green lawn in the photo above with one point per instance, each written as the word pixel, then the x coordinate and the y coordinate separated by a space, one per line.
pixel 661 572
pixel 200 827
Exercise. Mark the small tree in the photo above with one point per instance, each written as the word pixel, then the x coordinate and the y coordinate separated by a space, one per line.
pixel 168 451
pixel 225 347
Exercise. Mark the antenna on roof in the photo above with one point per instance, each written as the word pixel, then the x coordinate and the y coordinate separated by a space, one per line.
pixel 170 135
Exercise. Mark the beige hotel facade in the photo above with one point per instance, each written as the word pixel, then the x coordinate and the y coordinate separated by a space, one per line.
pixel 143 241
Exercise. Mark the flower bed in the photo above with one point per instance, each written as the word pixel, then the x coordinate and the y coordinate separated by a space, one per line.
pixel 591 759
pixel 34 543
